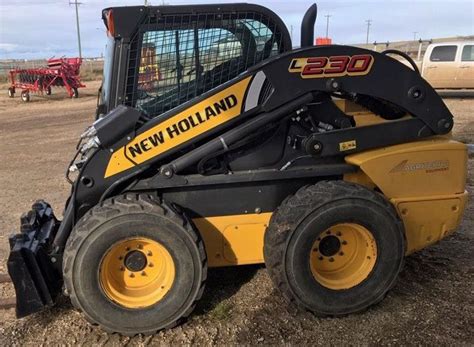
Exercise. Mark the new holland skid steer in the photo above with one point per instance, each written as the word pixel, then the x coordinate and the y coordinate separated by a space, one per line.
pixel 217 144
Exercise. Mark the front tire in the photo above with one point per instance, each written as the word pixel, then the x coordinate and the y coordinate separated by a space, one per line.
pixel 134 265
pixel 25 96
pixel 334 248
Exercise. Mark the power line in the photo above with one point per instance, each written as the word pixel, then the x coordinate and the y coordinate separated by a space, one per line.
pixel 369 23
pixel 77 25
pixel 327 24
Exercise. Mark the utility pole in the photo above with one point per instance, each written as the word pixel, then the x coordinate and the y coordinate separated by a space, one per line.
pixel 368 21
pixel 77 25
pixel 327 24
pixel 414 35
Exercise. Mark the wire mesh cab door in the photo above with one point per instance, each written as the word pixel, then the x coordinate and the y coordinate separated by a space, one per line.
pixel 180 55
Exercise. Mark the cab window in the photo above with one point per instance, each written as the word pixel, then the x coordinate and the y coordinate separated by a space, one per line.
pixel 443 53
pixel 181 60
pixel 467 53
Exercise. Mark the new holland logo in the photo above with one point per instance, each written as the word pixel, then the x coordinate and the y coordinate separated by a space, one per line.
pixel 179 129
pixel 429 167
pixel 182 126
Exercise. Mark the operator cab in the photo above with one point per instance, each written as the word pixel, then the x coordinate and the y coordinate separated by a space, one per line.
pixel 161 57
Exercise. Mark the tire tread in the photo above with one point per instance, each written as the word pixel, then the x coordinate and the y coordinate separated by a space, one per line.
pixel 116 206
pixel 291 213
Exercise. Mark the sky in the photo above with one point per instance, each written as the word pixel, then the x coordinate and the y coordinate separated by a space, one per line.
pixel 44 28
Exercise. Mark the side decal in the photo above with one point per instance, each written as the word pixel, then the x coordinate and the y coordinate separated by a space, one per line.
pixel 335 66
pixel 184 126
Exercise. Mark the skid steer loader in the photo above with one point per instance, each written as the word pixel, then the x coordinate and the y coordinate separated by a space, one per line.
pixel 218 144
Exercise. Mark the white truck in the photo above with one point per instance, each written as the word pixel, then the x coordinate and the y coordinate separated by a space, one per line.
pixel 449 65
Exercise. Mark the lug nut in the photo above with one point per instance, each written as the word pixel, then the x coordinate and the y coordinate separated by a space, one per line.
pixel 339 233
pixel 320 258
pixel 344 243
pixel 143 273
pixel 132 275
pixel 150 264
pixel 331 259
pixel 341 253
pixel 149 253
pixel 122 268
pixel 140 246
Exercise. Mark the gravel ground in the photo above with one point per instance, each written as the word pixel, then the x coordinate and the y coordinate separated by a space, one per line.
pixel 432 303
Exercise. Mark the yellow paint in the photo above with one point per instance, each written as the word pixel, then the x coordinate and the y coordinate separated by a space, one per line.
pixel 430 219
pixel 429 190
pixel 361 115
pixel 424 180
pixel 137 289
pixel 351 263
pixel 233 240
pixel 349 107
pixel 119 162
pixel 424 168
pixel 361 178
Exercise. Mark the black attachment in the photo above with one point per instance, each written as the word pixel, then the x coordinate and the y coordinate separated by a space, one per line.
pixel 35 273
pixel 236 134
pixel 325 110
pixel 242 177
pixel 116 124
pixel 346 141
pixel 405 56
pixel 307 26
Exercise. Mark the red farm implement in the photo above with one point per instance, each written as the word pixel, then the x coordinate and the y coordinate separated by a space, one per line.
pixel 60 72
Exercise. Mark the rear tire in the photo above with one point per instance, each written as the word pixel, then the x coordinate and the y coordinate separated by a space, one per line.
pixel 48 91
pixel 75 93
pixel 11 92
pixel 334 248
pixel 122 304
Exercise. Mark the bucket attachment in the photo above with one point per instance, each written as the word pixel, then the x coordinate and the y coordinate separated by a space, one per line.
pixel 35 274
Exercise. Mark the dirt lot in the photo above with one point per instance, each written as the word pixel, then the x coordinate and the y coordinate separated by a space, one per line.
pixel 432 303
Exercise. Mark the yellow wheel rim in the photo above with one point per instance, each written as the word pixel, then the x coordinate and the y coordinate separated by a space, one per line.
pixel 343 256
pixel 137 273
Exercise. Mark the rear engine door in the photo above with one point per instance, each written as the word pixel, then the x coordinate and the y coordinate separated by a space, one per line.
pixel 440 67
